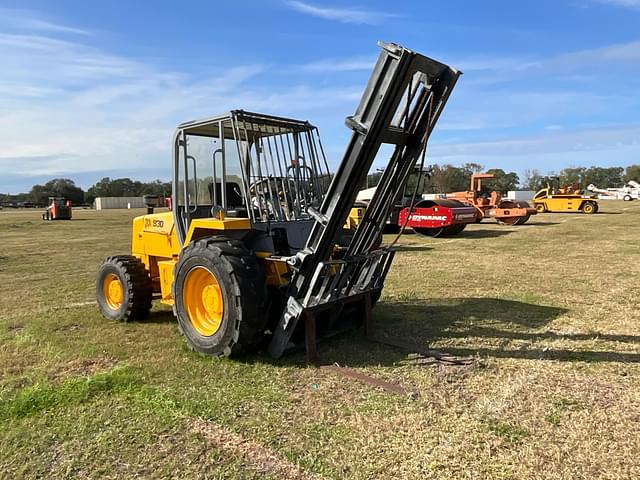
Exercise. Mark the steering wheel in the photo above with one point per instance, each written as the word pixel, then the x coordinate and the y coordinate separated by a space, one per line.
pixel 262 194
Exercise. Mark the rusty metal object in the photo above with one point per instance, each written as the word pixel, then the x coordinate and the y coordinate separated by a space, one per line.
pixel 421 355
pixel 426 355
pixel 370 380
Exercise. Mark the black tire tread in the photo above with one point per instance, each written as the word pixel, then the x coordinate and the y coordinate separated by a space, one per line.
pixel 248 289
pixel 137 283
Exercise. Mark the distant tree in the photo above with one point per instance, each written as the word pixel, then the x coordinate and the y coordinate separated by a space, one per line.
pixel 157 187
pixel 531 180
pixel 503 182
pixel 447 178
pixel 125 187
pixel 472 168
pixel 14 199
pixel 632 172
pixel 58 187
pixel 99 189
pixel 573 175
pixel 604 177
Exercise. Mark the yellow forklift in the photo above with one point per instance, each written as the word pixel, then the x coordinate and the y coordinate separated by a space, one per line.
pixel 254 242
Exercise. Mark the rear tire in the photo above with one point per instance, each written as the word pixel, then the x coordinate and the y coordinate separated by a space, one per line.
pixel 541 207
pixel 589 208
pixel 236 324
pixel 123 288
pixel 627 198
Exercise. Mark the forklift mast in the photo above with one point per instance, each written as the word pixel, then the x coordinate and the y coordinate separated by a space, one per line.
pixel 400 106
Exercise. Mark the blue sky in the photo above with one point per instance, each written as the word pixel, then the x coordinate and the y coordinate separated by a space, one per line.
pixel 92 89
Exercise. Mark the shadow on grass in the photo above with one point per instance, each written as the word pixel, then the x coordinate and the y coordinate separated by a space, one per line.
pixel 159 316
pixel 467 233
pixel 539 224
pixel 412 248
pixel 472 326
pixel 467 326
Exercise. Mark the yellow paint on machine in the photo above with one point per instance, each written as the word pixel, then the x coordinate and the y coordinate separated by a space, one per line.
pixel 155 242
pixel 354 218
pixel 165 273
pixel 276 270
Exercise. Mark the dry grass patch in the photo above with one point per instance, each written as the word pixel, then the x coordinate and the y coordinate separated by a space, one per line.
pixel 253 455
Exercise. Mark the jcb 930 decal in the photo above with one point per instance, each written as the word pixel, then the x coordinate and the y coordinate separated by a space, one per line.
pixel 153 223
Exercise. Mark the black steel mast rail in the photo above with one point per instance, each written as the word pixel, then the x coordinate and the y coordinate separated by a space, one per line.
pixel 381 117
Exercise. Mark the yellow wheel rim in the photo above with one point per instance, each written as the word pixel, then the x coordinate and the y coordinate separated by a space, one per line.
pixel 113 292
pixel 203 301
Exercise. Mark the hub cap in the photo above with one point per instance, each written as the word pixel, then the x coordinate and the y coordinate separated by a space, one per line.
pixel 203 301
pixel 113 292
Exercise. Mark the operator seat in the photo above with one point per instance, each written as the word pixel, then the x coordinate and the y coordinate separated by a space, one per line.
pixel 236 207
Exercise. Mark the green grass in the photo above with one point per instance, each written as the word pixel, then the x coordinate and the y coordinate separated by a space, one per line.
pixel 73 391
pixel 549 311
pixel 507 431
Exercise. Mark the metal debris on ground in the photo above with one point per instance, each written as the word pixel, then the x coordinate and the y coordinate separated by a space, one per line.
pixel 422 355
pixel 370 380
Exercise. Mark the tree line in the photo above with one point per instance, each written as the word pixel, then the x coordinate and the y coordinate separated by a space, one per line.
pixel 106 187
pixel 437 179
pixel 449 178
pixel 609 177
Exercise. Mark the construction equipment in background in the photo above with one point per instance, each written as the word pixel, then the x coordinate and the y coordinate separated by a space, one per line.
pixel 250 252
pixel 630 191
pixel 430 217
pixel 491 205
pixel 564 199
pixel 58 208
pixel 437 218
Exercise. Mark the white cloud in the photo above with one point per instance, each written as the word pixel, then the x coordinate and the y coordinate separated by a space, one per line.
pixel 635 4
pixel 25 20
pixel 340 65
pixel 67 108
pixel 341 14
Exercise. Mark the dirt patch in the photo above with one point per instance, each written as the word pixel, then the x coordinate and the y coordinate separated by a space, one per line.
pixel 85 367
pixel 252 454
pixel 15 328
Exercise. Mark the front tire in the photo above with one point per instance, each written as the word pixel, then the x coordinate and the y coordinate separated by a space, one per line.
pixel 123 288
pixel 220 297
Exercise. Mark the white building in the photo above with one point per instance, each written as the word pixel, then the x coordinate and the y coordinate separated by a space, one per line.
pixel 103 203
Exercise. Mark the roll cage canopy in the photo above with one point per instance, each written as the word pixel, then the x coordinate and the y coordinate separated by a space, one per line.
pixel 258 166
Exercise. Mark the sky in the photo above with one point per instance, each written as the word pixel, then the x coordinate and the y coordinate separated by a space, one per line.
pixel 92 89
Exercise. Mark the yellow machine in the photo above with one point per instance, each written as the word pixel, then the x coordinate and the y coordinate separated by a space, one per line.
pixel 256 241
pixel 564 199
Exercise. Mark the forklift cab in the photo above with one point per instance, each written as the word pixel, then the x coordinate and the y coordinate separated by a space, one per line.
pixel 269 170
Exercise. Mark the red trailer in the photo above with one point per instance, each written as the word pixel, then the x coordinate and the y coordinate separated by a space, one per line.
pixel 437 218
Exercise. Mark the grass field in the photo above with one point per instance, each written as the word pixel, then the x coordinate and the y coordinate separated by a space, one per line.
pixel 549 310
